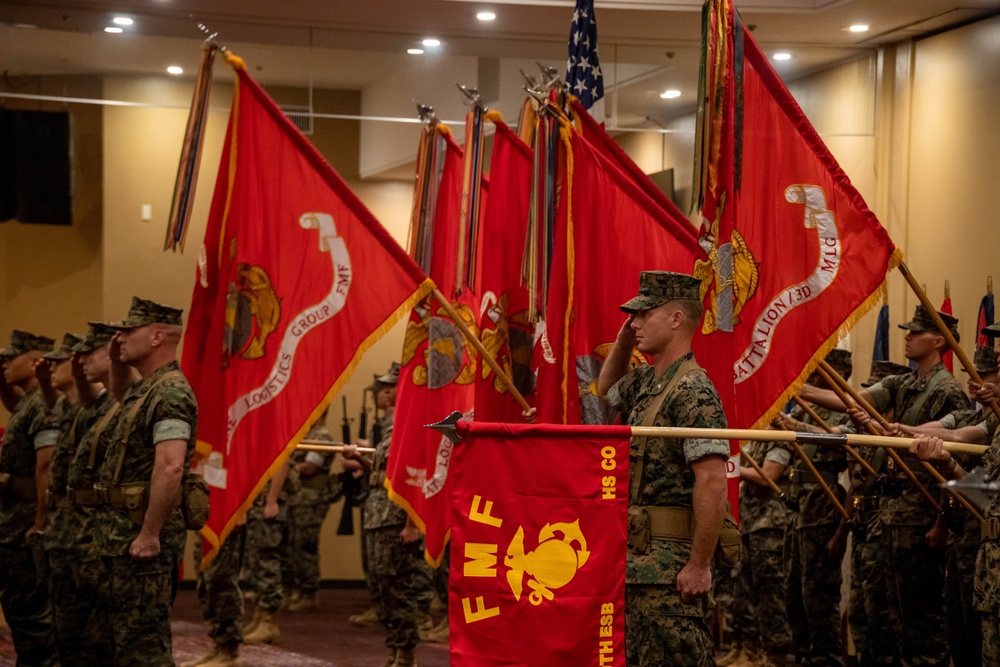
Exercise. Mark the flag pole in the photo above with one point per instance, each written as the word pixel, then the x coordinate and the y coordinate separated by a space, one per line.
pixel 760 471
pixel 895 457
pixel 821 439
pixel 801 453
pixel 952 343
pixel 826 427
pixel 324 446
pixel 852 399
pixel 487 357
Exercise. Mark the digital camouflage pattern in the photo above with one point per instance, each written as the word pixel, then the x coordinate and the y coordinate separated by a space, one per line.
pixel 219 591
pixel 401 583
pixel 168 412
pixel 811 506
pixel 24 591
pixel 307 509
pixel 142 591
pixel 669 627
pixel 31 427
pixel 141 594
pixel 658 287
pixel 58 524
pixel 900 393
pixel 266 545
pixel 379 511
pixel 78 575
pixel 915 572
pixel 986 595
pixel 868 607
pixel 759 600
pixel 144 311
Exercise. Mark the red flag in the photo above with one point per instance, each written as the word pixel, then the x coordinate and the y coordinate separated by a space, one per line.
pixel 504 327
pixel 438 375
pixel 537 552
pixel 985 318
pixel 948 357
pixel 609 230
pixel 805 256
pixel 296 280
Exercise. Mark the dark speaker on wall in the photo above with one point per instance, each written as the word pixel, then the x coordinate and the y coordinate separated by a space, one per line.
pixel 35 176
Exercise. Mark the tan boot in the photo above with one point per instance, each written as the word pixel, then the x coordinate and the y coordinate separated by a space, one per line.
pixel 203 659
pixel 734 653
pixel 750 657
pixel 368 618
pixel 772 659
pixel 305 602
pixel 438 634
pixel 405 658
pixel 227 656
pixel 393 652
pixel 251 624
pixel 266 632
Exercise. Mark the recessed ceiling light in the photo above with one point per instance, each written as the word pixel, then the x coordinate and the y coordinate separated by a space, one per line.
pixel 28 26
pixel 486 16
pixel 414 52
pixel 112 29
pixel 174 69
pixel 860 27
pixel 431 42
pixel 782 56
pixel 670 94
pixel 123 20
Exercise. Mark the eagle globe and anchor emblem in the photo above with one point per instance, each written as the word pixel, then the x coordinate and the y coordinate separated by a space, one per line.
pixel 561 552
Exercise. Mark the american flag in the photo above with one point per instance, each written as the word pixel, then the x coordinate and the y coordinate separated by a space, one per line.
pixel 583 70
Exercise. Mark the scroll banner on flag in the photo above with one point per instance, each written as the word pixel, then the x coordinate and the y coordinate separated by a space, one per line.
pixel 503 311
pixel 539 538
pixel 805 258
pixel 295 281
pixel 439 369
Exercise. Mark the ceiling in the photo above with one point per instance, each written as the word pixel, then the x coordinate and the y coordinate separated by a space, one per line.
pixel 646 46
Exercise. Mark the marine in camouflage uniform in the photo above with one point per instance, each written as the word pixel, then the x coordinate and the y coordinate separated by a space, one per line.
pixel 868 606
pixel 759 621
pixel 78 575
pixel 221 599
pixel 156 412
pixel 661 628
pixel 816 537
pixel 31 433
pixel 307 509
pixel 915 571
pixel 266 544
pixel 986 594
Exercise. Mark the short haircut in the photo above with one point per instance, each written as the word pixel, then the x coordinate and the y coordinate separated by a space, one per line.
pixel 692 310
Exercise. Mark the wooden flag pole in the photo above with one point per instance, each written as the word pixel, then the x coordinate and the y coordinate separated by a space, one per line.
pixel 927 466
pixel 952 343
pixel 472 338
pixel 819 480
pixel 760 471
pixel 323 446
pixel 826 427
pixel 851 398
pixel 771 435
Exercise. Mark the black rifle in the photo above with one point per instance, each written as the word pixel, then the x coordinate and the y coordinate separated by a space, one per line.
pixel 363 419
pixel 350 486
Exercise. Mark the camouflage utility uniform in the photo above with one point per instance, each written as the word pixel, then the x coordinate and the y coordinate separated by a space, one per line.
pixel 219 592
pixel 266 545
pixel 915 572
pixel 307 509
pixel 660 629
pixel 759 600
pixel 398 574
pixel 142 591
pixel 812 577
pixel 987 586
pixel 24 592
pixel 868 606
pixel 965 626
pixel 79 576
